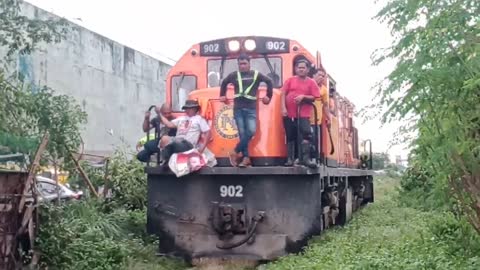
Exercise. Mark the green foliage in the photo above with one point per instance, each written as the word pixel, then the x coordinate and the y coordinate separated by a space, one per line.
pixel 419 190
pixel 455 233
pixel 96 174
pixel 380 161
pixel 16 144
pixel 20 34
pixel 416 178
pixel 28 115
pixel 128 181
pixel 104 234
pixel 394 170
pixel 387 235
pixel 82 235
pixel 61 116
pixel 435 88
pixel 72 233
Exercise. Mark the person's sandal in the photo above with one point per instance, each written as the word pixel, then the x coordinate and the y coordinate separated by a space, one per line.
pixel 233 159
pixel 245 163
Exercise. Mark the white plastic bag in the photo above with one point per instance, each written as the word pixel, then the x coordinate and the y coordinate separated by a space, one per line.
pixel 190 161
pixel 210 158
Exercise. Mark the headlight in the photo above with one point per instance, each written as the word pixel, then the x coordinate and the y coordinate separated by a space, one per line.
pixel 250 44
pixel 233 45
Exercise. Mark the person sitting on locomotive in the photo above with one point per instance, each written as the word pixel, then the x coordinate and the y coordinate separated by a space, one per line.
pixel 297 90
pixel 246 83
pixel 141 143
pixel 151 146
pixel 193 131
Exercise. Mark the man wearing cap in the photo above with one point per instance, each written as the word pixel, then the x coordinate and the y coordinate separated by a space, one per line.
pixel 245 82
pixel 193 131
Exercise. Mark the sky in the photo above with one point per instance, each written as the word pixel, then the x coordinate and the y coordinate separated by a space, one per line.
pixel 342 30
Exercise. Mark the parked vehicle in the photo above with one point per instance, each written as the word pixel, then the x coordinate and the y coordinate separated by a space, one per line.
pixel 49 191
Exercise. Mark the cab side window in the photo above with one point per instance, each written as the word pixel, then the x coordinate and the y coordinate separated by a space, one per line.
pixel 182 85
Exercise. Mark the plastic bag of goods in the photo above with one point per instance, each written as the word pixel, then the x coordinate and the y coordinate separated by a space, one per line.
pixel 190 161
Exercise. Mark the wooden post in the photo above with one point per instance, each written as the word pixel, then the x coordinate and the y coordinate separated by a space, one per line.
pixel 28 221
pixel 105 179
pixel 55 177
pixel 33 168
pixel 84 175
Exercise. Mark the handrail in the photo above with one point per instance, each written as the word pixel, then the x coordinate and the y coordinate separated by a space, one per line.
pixel 155 136
pixel 370 165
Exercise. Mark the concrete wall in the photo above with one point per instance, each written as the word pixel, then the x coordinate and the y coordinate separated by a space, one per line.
pixel 113 83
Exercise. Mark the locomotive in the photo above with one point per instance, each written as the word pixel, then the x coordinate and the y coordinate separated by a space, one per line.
pixel 267 210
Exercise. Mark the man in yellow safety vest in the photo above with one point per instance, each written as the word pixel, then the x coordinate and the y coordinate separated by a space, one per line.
pixel 245 82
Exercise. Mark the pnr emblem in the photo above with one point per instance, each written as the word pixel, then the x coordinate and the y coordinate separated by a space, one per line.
pixel 225 124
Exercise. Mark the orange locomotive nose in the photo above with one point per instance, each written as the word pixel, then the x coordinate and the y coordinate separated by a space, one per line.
pixel 268 144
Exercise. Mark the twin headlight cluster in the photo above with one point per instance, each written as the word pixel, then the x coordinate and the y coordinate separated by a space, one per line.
pixel 248 44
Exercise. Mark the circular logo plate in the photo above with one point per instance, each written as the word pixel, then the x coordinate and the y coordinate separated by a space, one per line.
pixel 225 124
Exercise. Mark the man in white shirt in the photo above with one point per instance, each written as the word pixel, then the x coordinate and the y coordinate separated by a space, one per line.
pixel 193 131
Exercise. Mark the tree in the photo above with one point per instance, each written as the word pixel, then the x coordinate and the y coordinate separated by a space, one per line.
pixel 20 34
pixel 436 88
pixel 380 161
pixel 27 114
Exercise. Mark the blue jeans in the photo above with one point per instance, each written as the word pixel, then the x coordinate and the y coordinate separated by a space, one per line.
pixel 246 121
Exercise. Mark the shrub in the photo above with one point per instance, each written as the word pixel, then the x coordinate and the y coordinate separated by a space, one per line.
pixel 81 235
pixel 128 181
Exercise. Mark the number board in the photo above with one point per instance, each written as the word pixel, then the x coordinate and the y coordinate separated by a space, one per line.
pixel 231 192
pixel 213 48
pixel 272 45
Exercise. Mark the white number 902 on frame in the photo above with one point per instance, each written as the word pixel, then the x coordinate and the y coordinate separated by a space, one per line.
pixel 231 191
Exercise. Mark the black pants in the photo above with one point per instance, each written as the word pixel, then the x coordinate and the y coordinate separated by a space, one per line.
pixel 290 125
pixel 177 146
pixel 149 148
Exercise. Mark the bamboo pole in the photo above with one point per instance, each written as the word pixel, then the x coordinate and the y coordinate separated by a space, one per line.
pixel 33 168
pixel 105 179
pixel 84 175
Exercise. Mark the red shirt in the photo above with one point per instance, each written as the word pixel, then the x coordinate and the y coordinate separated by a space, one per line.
pixel 295 86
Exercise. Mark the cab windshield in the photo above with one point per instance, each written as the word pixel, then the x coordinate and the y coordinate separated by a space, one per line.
pixel 270 66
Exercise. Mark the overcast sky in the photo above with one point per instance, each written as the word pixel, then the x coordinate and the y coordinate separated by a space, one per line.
pixel 342 30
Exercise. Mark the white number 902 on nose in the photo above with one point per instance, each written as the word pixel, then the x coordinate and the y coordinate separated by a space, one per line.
pixel 231 191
